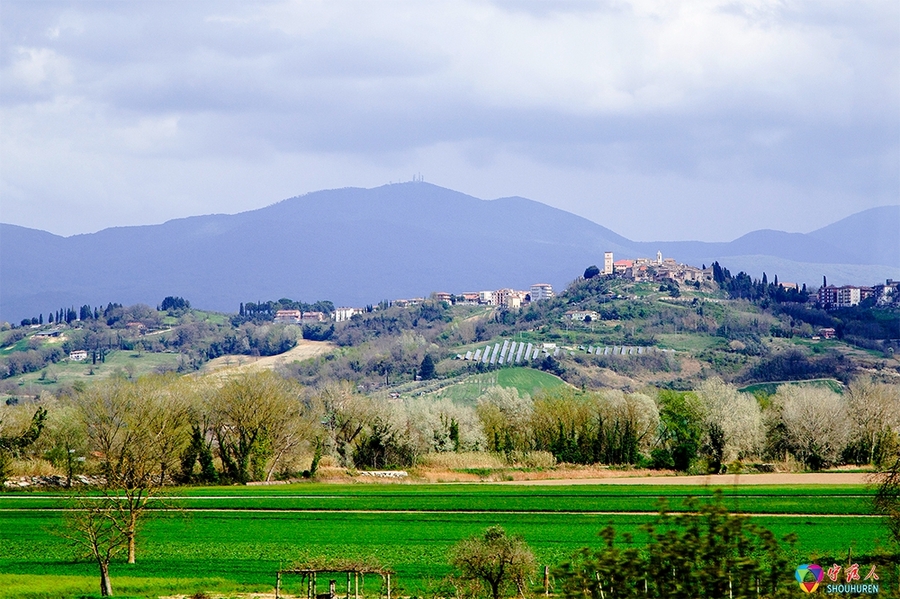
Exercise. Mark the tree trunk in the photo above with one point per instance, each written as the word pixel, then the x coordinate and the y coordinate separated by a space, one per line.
pixel 105 584
pixel 132 524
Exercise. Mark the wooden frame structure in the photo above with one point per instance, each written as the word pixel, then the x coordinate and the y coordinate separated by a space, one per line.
pixel 352 568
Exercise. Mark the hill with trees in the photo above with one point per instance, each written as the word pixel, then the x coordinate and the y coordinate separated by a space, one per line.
pixel 728 371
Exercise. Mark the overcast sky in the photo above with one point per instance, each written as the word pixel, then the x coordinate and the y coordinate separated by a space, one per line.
pixel 661 120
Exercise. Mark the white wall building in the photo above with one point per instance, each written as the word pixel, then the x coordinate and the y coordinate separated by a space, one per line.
pixel 342 314
pixel 541 291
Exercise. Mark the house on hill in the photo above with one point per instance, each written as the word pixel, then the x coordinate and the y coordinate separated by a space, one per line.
pixel 541 291
pixel 288 316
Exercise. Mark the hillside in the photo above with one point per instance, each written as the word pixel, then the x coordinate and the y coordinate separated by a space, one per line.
pixel 631 335
pixel 358 246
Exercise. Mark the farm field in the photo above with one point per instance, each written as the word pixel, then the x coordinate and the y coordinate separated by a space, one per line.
pixel 235 538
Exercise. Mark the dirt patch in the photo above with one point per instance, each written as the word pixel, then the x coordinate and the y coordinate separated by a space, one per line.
pixel 303 351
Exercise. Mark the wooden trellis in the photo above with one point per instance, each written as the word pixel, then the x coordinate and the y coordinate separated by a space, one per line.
pixel 352 568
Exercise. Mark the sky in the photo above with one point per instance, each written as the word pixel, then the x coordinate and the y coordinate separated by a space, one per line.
pixel 662 120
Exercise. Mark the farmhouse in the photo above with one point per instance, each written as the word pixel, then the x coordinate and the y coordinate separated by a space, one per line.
pixel 288 316
pixel 582 315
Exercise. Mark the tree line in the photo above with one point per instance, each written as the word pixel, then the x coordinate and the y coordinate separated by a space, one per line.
pixel 260 426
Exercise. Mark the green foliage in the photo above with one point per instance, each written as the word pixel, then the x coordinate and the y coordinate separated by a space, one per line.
pixel 591 271
pixel 174 303
pixel 714 448
pixel 426 369
pixel 199 450
pixel 12 445
pixel 703 553
pixel 681 428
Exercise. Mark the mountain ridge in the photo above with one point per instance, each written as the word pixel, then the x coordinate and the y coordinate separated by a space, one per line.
pixel 357 246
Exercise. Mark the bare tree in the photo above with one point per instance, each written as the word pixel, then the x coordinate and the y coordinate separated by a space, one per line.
pixel 95 528
pixel 347 415
pixel 816 423
pixel 887 499
pixel 506 419
pixel 138 429
pixel 875 409
pixel 736 415
pixel 257 418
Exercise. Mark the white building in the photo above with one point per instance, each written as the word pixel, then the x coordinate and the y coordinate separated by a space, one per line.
pixel 541 291
pixel 342 314
pixel 607 263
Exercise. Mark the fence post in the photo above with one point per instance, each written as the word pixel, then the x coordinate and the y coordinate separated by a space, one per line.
pixel 546 581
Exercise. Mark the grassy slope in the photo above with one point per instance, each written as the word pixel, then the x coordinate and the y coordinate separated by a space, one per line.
pixel 525 380
pixel 131 362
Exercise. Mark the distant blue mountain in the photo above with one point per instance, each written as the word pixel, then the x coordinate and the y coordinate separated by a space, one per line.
pixel 358 246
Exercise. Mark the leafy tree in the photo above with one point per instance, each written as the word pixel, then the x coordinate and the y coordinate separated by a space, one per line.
pixel 174 303
pixel 381 446
pixel 704 552
pixel 499 560
pixel 11 445
pixel 426 369
pixel 199 450
pixel 591 271
pixel 681 427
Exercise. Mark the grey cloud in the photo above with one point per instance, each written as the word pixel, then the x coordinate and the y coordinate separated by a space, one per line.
pixel 242 90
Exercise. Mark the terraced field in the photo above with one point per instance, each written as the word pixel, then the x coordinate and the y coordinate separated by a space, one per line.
pixel 235 538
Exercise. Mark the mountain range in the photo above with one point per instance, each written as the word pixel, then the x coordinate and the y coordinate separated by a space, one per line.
pixel 358 246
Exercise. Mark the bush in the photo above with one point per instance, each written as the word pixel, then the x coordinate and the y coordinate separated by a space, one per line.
pixel 704 552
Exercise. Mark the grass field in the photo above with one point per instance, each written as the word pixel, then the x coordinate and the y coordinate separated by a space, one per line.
pixel 771 388
pixel 525 380
pixel 235 538
pixel 130 362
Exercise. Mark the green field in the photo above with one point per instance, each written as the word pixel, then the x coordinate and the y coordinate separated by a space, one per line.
pixel 525 380
pixel 131 363
pixel 235 538
pixel 771 388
